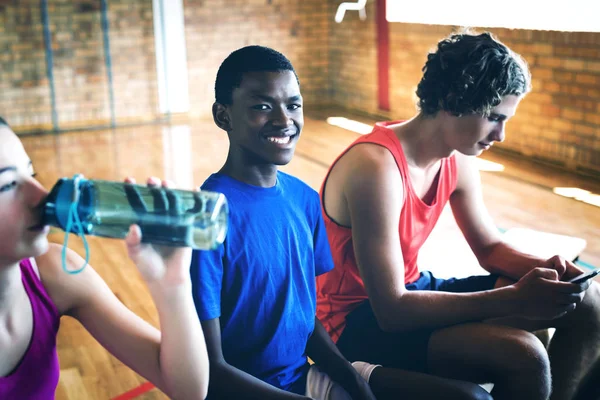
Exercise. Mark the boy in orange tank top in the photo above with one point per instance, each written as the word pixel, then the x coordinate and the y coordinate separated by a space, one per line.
pixel 381 199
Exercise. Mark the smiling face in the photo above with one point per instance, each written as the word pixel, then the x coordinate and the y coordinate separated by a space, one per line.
pixel 21 235
pixel 473 134
pixel 265 118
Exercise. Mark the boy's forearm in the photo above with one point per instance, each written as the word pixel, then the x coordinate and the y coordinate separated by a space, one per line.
pixel 434 310
pixel 321 349
pixel 502 259
pixel 229 382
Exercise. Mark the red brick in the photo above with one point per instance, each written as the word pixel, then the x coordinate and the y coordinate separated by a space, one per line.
pixel 550 62
pixel 572 114
pixel 562 76
pixel 585 130
pixel 592 66
pixel 586 79
pixel 551 110
pixel 542 73
pixel 593 118
pixel 586 105
pixel 550 87
pixel 561 125
pixel 573 65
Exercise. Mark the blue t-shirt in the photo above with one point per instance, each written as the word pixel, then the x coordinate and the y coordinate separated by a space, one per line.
pixel 261 281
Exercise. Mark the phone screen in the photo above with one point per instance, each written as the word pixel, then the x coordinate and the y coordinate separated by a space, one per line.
pixel 585 277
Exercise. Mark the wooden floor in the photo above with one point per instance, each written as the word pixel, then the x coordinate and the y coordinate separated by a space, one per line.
pixel 187 153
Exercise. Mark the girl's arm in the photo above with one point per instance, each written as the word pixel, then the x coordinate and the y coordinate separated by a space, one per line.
pixel 175 362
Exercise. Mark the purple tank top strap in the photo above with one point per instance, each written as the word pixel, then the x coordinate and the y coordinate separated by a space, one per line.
pixel 36 376
pixel 33 285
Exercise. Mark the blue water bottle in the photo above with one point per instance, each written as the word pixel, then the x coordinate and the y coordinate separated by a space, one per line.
pixel 165 216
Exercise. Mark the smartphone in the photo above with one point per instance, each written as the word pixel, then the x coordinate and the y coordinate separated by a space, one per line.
pixel 584 277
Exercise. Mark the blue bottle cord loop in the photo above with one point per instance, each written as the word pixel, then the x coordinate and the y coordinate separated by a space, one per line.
pixel 73 217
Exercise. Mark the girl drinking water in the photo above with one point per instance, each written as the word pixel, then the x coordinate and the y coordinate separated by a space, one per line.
pixel 35 292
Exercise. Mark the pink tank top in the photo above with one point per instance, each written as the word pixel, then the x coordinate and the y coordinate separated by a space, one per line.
pixel 36 376
pixel 342 289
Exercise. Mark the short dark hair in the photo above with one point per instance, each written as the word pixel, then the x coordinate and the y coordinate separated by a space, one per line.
pixel 3 122
pixel 469 74
pixel 247 59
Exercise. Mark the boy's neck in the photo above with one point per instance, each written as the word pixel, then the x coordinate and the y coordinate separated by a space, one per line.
pixel 263 175
pixel 423 143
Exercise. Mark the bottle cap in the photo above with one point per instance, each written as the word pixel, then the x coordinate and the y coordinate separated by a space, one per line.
pixel 63 194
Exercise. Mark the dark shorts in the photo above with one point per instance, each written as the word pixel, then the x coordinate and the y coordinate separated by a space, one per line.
pixel 363 340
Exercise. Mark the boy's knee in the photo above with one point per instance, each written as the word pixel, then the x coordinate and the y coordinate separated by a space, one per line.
pixel 588 311
pixel 527 363
pixel 525 352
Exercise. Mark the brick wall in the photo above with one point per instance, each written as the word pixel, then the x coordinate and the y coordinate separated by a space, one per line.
pixel 24 94
pixel 215 28
pixel 80 79
pixel 337 63
pixel 559 122
pixel 353 60
pixel 134 59
pixel 79 74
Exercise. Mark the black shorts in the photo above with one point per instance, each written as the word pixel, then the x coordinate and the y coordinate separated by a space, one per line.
pixel 363 339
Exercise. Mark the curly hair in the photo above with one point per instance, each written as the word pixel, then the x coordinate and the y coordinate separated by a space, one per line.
pixel 247 59
pixel 469 74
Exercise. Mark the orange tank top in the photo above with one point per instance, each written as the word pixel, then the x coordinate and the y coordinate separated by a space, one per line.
pixel 342 289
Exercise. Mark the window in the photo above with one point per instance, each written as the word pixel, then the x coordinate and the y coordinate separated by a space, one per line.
pixel 572 15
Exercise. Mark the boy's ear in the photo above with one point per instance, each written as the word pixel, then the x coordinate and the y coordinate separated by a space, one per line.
pixel 221 116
